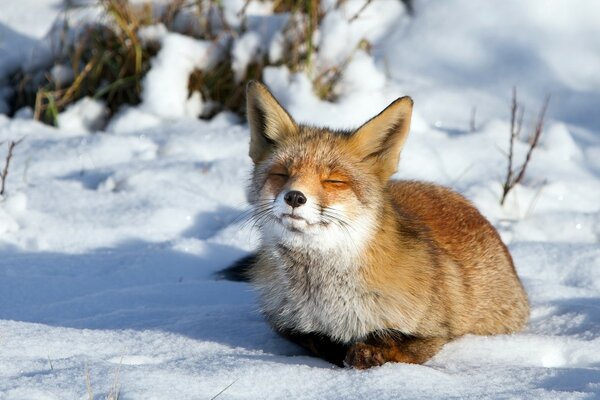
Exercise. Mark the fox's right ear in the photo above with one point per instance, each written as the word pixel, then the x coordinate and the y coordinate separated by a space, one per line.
pixel 268 120
pixel 381 139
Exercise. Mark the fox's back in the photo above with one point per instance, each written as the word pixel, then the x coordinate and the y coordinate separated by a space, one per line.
pixel 485 264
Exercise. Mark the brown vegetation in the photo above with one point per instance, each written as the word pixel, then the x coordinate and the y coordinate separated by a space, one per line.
pixel 516 175
pixel 109 60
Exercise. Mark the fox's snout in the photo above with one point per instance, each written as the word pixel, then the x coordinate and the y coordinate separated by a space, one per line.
pixel 295 198
pixel 295 210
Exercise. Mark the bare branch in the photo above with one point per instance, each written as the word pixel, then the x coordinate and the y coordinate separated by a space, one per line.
pixel 223 391
pixel 11 146
pixel 88 383
pixel 516 122
pixel 539 126
pixel 520 121
pixel 355 17
pixel 507 186
pixel 472 124
pixel 242 12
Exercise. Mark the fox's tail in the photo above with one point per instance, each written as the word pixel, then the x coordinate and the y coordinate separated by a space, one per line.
pixel 239 270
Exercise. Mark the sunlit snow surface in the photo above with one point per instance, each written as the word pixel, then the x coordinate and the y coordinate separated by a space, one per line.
pixel 108 240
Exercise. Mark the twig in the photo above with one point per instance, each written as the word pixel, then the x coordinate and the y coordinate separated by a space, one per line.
pixel 171 11
pixel 88 383
pixel 539 126
pixel 472 124
pixel 326 80
pixel 221 14
pixel 535 199
pixel 243 16
pixel 462 174
pixel 514 177
pixel 410 8
pixel 242 12
pixel 11 146
pixel 355 16
pixel 116 387
pixel 313 13
pixel 513 133
pixel 223 391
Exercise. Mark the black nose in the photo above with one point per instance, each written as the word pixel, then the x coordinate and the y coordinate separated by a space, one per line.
pixel 295 198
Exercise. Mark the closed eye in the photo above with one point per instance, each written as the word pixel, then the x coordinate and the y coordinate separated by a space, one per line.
pixel 335 183
pixel 279 174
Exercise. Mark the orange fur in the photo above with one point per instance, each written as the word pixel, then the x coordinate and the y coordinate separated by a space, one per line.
pixel 369 269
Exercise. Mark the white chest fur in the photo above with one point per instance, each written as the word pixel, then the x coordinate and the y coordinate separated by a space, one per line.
pixel 316 292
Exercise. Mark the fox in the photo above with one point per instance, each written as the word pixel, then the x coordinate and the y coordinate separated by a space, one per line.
pixel 356 267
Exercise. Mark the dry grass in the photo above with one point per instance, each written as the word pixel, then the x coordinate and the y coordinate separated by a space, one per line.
pixel 115 388
pixel 109 60
pixel 223 390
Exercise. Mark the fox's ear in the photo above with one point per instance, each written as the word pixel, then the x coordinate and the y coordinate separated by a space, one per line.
pixel 381 139
pixel 268 120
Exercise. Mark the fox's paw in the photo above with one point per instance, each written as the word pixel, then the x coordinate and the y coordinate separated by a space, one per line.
pixel 363 356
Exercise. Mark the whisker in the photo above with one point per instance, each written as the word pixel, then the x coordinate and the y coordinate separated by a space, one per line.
pixel 338 218
pixel 258 218
pixel 258 213
pixel 246 214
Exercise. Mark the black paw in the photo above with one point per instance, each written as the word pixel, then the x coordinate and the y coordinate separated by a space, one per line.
pixel 363 356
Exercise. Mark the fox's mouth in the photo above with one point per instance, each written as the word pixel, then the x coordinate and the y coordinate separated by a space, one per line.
pixel 295 222
pixel 292 216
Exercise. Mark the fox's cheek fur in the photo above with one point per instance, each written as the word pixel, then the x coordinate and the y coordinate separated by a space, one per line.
pixel 331 216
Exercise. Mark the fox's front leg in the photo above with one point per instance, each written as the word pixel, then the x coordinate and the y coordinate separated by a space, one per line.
pixel 379 349
pixel 319 345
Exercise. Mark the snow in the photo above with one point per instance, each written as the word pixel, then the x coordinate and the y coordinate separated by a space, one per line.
pixel 243 53
pixel 446 54
pixel 84 116
pixel 109 238
pixel 165 91
pixel 21 30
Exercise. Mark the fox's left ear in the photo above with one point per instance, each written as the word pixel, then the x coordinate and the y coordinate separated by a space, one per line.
pixel 269 121
pixel 381 139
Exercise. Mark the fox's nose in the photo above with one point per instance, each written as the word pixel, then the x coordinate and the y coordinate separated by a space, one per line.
pixel 295 198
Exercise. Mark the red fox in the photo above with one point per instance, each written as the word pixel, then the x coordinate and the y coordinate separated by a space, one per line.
pixel 361 269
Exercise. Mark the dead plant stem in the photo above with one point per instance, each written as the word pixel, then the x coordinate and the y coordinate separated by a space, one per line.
pixel 11 146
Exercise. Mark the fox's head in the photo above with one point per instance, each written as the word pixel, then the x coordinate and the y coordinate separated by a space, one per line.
pixel 316 187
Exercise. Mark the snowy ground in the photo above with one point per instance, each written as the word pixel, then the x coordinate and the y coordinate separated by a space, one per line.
pixel 108 241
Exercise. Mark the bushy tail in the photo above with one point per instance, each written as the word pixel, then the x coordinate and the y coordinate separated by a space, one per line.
pixel 239 270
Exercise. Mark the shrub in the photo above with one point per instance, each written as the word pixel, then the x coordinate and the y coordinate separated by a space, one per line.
pixel 108 59
pixel 515 175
